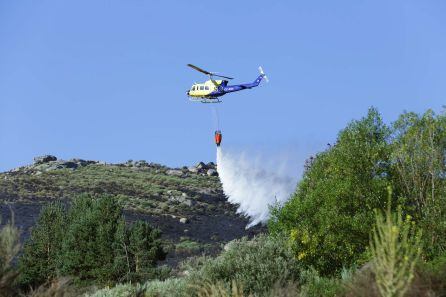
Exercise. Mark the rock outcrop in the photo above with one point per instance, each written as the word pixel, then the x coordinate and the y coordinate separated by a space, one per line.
pixel 47 163
pixel 44 159
pixel 204 169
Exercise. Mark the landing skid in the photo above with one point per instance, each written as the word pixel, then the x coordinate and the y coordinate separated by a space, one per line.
pixel 205 100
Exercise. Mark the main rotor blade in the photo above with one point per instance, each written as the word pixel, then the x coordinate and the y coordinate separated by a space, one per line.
pixel 207 72
pixel 199 69
pixel 222 76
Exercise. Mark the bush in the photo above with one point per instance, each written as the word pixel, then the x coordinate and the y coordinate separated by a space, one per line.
pixel 313 285
pixel 120 290
pixel 222 290
pixel 173 287
pixel 256 265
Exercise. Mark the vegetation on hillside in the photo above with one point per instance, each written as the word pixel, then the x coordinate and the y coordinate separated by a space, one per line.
pixel 150 189
pixel 368 218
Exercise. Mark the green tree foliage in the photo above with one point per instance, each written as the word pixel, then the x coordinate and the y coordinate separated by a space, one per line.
pixel 418 159
pixel 88 247
pixel 91 243
pixel 395 247
pixel 39 262
pixel 329 217
pixel 144 245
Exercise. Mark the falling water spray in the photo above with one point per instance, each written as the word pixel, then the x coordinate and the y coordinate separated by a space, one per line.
pixel 254 183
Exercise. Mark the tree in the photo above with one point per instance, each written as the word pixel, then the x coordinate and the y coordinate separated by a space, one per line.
pixel 91 243
pixel 329 217
pixel 40 260
pixel 88 247
pixel 418 159
pixel 145 249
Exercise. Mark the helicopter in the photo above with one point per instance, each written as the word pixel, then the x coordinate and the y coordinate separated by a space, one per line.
pixel 212 89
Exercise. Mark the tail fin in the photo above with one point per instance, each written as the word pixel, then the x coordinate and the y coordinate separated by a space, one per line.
pixel 258 80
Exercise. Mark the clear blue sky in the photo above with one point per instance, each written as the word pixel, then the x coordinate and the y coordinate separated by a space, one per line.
pixel 106 80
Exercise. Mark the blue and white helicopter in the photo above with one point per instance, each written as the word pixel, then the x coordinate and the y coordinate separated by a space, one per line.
pixel 211 90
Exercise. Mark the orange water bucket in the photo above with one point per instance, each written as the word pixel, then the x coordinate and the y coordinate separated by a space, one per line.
pixel 218 137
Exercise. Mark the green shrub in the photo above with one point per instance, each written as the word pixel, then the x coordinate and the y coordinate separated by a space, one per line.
pixel 173 287
pixel 120 290
pixel 256 265
pixel 187 246
pixel 313 285
pixel 222 290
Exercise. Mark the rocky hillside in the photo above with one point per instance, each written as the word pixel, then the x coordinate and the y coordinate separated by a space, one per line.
pixel 186 203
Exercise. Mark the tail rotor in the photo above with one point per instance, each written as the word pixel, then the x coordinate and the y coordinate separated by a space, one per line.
pixel 263 73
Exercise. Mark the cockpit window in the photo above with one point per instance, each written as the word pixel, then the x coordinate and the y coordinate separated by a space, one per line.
pixel 193 88
pixel 201 88
pixel 207 88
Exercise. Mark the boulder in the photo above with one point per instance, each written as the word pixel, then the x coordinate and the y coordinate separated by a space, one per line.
pixel 141 163
pixel 205 191
pixel 201 166
pixel 44 159
pixel 188 202
pixel 192 169
pixel 79 162
pixel 155 165
pixel 69 164
pixel 174 172
pixel 212 172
